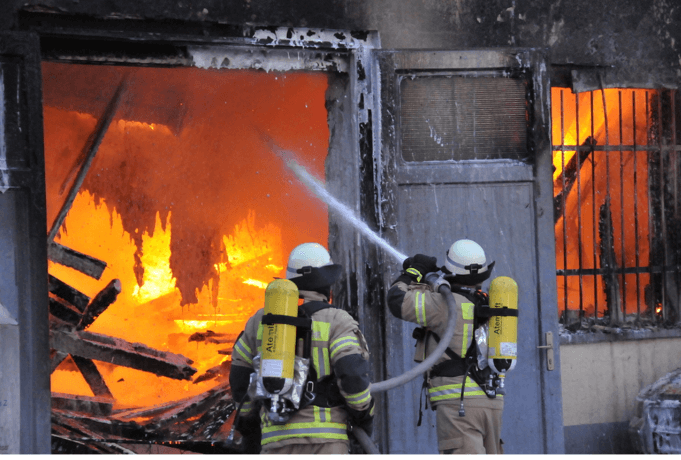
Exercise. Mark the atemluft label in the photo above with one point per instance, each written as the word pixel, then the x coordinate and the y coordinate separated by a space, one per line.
pixel 10 390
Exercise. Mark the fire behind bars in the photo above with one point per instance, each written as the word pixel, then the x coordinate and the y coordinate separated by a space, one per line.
pixel 616 204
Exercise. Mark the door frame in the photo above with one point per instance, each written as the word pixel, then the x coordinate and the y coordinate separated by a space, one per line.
pixel 118 42
pixel 534 63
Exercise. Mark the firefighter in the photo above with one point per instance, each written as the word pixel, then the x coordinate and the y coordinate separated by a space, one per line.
pixel 477 429
pixel 339 369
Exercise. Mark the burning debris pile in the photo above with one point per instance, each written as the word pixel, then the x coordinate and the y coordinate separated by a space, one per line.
pixel 84 424
pixel 199 424
pixel 168 217
pixel 603 325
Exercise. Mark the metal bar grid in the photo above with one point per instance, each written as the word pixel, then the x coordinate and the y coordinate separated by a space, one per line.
pixel 630 246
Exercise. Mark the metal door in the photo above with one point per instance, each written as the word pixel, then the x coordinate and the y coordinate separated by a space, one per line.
pixel 465 153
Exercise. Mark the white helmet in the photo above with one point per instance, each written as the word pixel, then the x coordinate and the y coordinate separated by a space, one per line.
pixel 466 260
pixel 306 255
pixel 310 267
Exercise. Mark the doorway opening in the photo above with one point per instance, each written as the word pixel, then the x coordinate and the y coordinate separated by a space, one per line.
pixel 188 213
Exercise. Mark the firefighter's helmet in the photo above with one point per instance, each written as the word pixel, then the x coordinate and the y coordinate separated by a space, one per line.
pixel 310 267
pixel 466 262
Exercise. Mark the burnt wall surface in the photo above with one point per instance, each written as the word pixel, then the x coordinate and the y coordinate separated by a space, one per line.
pixel 634 42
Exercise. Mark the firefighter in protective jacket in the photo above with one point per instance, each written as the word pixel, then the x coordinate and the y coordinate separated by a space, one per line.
pixel 412 299
pixel 339 370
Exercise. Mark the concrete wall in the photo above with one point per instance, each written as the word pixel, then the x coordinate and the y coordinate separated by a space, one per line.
pixel 600 384
pixel 635 41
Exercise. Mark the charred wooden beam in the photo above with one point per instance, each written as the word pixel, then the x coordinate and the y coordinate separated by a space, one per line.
pixel 191 407
pixel 101 302
pixel 609 264
pixel 220 372
pixel 56 358
pixel 77 403
pixel 210 423
pixel 146 412
pixel 123 353
pixel 85 159
pixel 213 337
pixel 570 173
pixel 77 260
pixel 99 428
pixel 64 311
pixel 93 377
pixel 66 292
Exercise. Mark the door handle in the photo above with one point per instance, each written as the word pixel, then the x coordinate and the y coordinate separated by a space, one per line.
pixel 549 351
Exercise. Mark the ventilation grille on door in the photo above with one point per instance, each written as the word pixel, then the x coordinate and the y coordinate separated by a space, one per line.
pixel 460 118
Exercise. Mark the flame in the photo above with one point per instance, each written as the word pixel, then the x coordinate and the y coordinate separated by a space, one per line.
pixel 597 172
pixel 184 201
pixel 151 312
pixel 594 126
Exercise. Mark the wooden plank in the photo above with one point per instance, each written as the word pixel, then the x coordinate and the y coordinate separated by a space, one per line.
pixel 572 170
pixel 123 353
pixel 101 302
pixel 85 160
pixel 64 311
pixel 609 264
pixel 66 292
pixel 56 358
pixel 93 377
pixel 77 260
pixel 79 403
pixel 192 407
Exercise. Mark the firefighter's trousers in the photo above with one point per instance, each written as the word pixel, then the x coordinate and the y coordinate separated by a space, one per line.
pixel 325 448
pixel 478 432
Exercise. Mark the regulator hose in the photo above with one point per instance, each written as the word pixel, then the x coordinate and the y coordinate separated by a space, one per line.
pixel 365 441
pixel 394 382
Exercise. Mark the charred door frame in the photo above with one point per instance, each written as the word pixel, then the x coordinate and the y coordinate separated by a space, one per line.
pixel 534 62
pixel 344 55
pixel 25 383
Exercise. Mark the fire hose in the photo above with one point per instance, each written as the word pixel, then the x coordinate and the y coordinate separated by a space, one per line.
pixel 361 436
pixel 434 356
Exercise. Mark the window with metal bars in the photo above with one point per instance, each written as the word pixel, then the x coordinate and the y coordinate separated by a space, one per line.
pixel 616 204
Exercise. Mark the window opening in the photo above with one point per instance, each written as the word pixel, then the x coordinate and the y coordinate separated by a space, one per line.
pixel 616 205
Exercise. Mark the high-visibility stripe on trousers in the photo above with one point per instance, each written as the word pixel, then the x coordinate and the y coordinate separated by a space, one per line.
pixel 453 391
pixel 324 430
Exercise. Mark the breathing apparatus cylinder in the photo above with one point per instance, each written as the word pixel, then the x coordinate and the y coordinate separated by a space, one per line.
pixel 279 340
pixel 503 327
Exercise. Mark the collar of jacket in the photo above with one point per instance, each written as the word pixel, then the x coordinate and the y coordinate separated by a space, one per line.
pixel 309 296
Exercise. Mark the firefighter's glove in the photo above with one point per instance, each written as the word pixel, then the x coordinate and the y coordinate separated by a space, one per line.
pixel 419 265
pixel 363 419
pixel 436 280
pixel 249 427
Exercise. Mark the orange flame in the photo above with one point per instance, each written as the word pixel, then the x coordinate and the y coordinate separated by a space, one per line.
pixel 183 201
pixel 579 232
pixel 151 313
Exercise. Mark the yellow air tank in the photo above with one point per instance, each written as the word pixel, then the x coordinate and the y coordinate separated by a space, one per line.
pixel 503 326
pixel 279 340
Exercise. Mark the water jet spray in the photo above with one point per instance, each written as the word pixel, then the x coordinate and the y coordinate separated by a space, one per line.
pixel 318 189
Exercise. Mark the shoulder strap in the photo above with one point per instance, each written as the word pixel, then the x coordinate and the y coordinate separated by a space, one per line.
pixel 310 308
pixel 298 322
